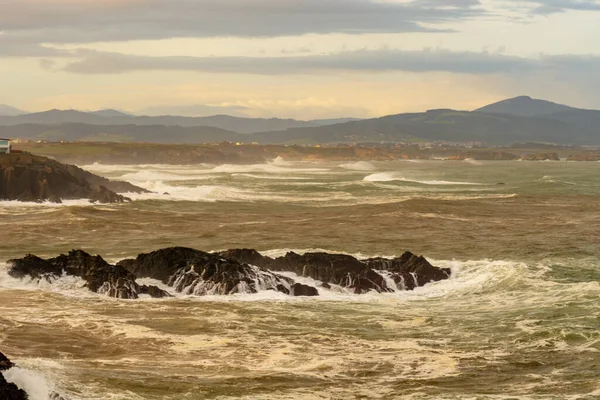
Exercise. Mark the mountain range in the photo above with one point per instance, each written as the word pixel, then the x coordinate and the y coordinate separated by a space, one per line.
pixel 520 119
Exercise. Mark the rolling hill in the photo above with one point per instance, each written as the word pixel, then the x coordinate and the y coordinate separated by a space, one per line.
pixel 497 124
pixel 525 106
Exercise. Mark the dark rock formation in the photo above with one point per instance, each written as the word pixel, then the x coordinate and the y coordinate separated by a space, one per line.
pixel 407 271
pixel 101 277
pixel 541 157
pixel 485 155
pixel 26 177
pixel 5 363
pixel 299 289
pixel 9 391
pixel 196 272
pixel 153 291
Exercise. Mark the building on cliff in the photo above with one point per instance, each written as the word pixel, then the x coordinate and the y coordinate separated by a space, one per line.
pixel 4 146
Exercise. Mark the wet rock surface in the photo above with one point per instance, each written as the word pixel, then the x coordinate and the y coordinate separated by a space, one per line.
pixel 237 271
pixel 25 177
pixel 406 272
pixel 100 276
pixel 9 391
pixel 200 273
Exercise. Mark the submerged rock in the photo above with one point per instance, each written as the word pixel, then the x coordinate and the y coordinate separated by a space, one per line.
pixel 9 391
pixel 100 276
pixel 25 177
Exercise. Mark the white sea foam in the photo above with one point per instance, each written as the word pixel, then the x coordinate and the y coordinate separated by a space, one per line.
pixel 32 382
pixel 65 285
pixel 10 205
pixel 472 161
pixel 396 176
pixel 359 166
pixel 268 168
pixel 205 193
pixel 154 175
pixel 273 177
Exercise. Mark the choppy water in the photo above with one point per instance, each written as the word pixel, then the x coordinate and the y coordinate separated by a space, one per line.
pixel 520 318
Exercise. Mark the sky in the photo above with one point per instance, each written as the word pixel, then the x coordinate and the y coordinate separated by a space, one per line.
pixel 303 59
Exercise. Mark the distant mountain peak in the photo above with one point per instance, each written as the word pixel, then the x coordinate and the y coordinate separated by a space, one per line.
pixel 110 112
pixel 524 106
pixel 9 111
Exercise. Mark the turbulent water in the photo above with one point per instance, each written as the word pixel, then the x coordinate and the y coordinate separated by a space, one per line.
pixel 519 319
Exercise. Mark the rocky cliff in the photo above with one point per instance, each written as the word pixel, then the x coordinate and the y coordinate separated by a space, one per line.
pixel 26 177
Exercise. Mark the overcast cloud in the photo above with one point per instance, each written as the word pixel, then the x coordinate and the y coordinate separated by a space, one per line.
pixel 68 21
pixel 553 6
pixel 363 60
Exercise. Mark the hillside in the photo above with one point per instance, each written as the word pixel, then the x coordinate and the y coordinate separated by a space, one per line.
pixel 443 125
pixel 524 106
pixel 113 117
pixel 119 133
pixel 497 124
pixel 10 111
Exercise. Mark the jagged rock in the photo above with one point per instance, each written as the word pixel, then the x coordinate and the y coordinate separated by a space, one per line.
pixel 100 277
pixel 299 289
pixel 235 271
pixel 153 291
pixel 25 177
pixel 5 363
pixel 9 391
pixel 196 272
pixel 339 269
pixel 407 271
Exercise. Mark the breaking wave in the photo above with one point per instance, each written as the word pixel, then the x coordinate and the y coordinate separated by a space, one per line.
pixel 359 166
pixel 395 176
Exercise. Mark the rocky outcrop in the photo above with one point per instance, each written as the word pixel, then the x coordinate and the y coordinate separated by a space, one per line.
pixel 26 177
pixel 484 156
pixel 589 156
pixel 199 273
pixel 541 157
pixel 379 274
pixel 298 289
pixel 237 271
pixel 408 271
pixel 9 391
pixel 100 277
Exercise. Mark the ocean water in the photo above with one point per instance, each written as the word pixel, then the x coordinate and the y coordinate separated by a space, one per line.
pixel 519 318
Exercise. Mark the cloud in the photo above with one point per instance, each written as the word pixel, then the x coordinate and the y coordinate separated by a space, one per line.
pixel 554 6
pixel 94 62
pixel 85 21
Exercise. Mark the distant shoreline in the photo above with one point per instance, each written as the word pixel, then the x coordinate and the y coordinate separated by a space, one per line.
pixel 82 153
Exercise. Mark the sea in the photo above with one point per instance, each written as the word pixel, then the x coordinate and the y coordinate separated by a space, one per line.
pixel 518 319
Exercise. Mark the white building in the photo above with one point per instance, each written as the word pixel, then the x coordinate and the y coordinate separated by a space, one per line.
pixel 4 146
